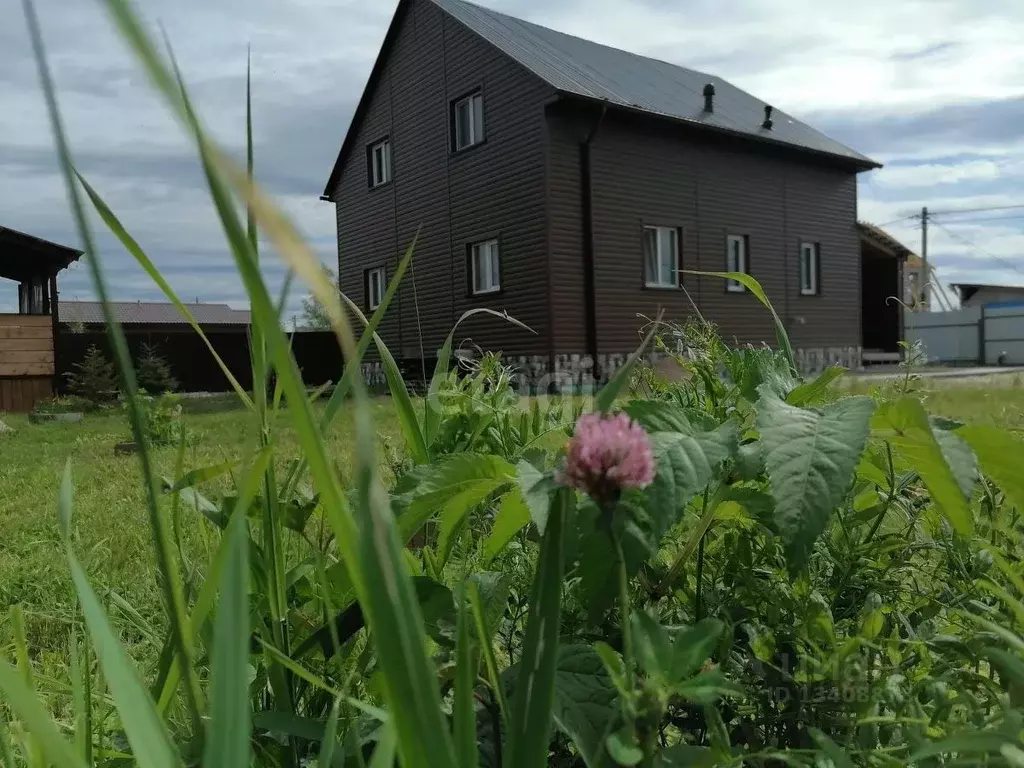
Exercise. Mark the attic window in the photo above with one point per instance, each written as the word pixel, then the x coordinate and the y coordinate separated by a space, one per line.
pixel 468 121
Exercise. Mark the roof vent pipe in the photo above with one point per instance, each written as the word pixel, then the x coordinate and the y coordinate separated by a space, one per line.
pixel 767 124
pixel 709 98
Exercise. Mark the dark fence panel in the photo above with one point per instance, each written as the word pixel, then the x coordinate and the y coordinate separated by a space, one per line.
pixel 316 352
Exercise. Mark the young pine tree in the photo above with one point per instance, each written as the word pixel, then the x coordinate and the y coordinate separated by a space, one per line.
pixel 154 371
pixel 94 378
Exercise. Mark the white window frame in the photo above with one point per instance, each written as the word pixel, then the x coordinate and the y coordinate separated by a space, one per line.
pixel 485 261
pixel 475 104
pixel 380 163
pixel 736 261
pixel 809 258
pixel 375 293
pixel 659 280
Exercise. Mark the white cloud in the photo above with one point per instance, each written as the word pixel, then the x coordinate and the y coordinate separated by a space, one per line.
pixel 931 174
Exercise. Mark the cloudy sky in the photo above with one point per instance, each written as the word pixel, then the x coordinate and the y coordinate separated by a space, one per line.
pixel 932 88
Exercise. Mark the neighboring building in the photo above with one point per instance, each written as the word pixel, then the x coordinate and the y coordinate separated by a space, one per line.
pixel 27 348
pixel 980 295
pixel 884 262
pixel 155 316
pixel 571 185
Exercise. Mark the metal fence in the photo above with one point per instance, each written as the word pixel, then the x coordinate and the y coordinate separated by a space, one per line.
pixel 973 336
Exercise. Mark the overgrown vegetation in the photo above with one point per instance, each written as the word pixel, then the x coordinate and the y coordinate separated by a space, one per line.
pixel 735 568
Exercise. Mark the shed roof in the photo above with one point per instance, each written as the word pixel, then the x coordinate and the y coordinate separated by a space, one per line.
pixel 152 313
pixel 588 70
pixel 23 255
pixel 884 241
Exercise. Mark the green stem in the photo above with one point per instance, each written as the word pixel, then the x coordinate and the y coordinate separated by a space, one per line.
pixel 627 639
pixel 697 612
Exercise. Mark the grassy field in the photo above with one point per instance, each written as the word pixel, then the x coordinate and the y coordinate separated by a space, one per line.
pixel 112 532
pixel 111 527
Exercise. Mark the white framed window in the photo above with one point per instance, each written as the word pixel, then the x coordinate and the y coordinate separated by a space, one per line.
pixel 736 260
pixel 810 263
pixel 661 257
pixel 376 283
pixel 468 121
pixel 485 267
pixel 380 163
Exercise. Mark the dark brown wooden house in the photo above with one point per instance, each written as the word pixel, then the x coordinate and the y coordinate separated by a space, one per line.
pixel 572 184
pixel 27 338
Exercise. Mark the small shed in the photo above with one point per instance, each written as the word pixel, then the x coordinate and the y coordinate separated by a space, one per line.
pixel 27 363
pixel 882 259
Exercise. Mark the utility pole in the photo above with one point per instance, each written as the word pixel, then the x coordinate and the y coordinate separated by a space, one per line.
pixel 925 277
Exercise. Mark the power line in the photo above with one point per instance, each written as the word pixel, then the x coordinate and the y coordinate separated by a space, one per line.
pixel 987 218
pixel 971 244
pixel 974 210
pixel 897 221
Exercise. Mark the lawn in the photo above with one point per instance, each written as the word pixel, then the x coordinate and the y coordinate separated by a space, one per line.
pixel 111 528
pixel 112 533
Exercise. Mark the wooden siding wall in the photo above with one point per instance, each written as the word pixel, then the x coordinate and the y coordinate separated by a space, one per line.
pixel 496 189
pixel 26 345
pixel 644 173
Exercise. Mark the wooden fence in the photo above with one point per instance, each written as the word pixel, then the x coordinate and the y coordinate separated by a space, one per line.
pixel 316 352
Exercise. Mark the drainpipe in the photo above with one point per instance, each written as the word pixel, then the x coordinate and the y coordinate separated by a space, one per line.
pixel 587 212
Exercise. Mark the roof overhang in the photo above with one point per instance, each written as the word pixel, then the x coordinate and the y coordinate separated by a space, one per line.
pixel 23 256
pixel 882 241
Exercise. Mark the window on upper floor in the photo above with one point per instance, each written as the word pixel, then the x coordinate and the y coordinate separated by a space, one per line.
pixel 810 267
pixel 661 257
pixel 376 283
pixel 379 162
pixel 737 259
pixel 468 121
pixel 484 267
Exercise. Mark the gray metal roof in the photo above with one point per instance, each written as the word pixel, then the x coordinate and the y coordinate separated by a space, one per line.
pixel 589 70
pixel 151 313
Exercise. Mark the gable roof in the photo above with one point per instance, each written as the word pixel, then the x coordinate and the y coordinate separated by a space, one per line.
pixel 151 313
pixel 588 70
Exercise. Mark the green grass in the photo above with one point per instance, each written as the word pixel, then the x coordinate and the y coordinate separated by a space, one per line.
pixel 113 536
pixel 111 529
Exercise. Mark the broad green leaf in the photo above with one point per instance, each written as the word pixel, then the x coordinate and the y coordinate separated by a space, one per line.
pixel 810 456
pixel 686 463
pixel 513 515
pixel 706 688
pixel 227 742
pixel 455 513
pixel 661 416
pixel 529 728
pixel 471 474
pixel 1000 455
pixel 536 488
pixel 755 288
pixel 812 391
pixel 904 424
pixel 614 666
pixel 623 749
pixel 691 647
pixel 958 455
pixel 653 647
pixel 686 756
pixel 194 477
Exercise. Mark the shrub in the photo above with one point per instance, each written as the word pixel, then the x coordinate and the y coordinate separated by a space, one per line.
pixel 65 404
pixel 94 379
pixel 164 422
pixel 154 372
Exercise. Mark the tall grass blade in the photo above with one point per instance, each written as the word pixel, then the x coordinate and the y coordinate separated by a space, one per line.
pixel 150 743
pixel 377 572
pixel 755 288
pixel 330 737
pixel 608 394
pixel 37 720
pixel 407 418
pixel 465 682
pixel 530 728
pixel 32 747
pixel 484 637
pixel 169 580
pixel 227 743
